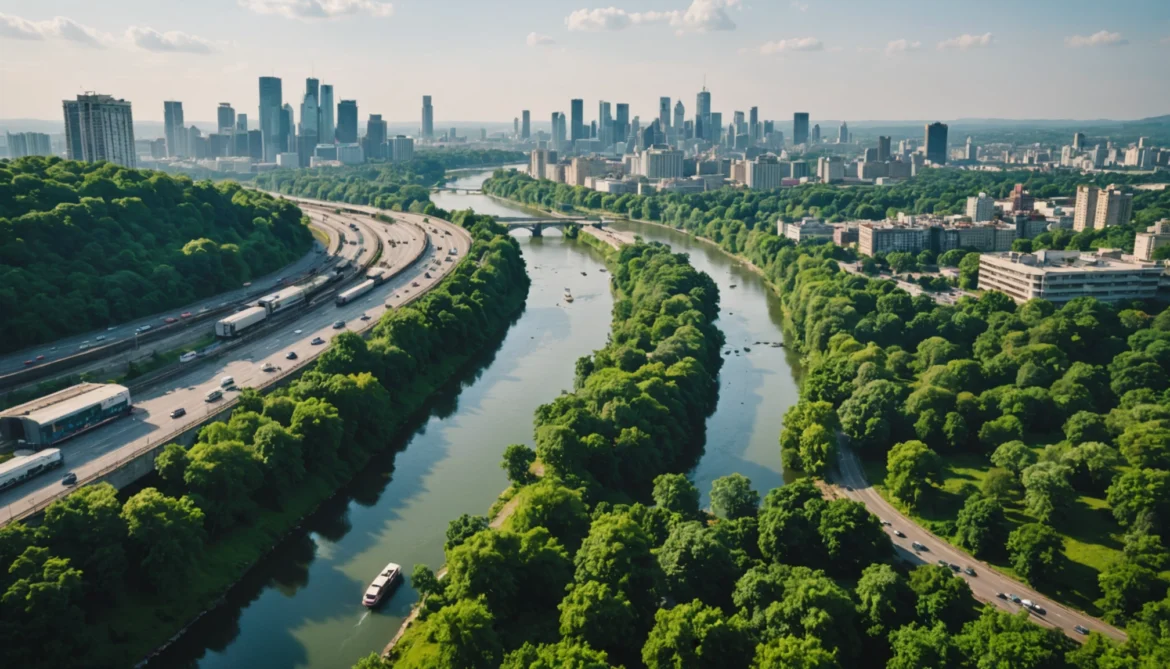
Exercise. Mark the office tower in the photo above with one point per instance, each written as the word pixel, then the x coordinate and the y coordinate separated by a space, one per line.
pixel 175 129
pixel 225 117
pixel 309 112
pixel 312 87
pixel 271 99
pixel 347 115
pixel 558 130
pixel 537 161
pixel 971 152
pixel 525 125
pixel 843 133
pixel 621 122
pixel 256 146
pixel 593 129
pixel 1085 211
pixel 576 119
pixel 401 149
pixel 703 129
pixel 286 131
pixel 239 142
pixel 327 126
pixel 680 115
pixel 936 143
pixel 605 123
pixel 193 138
pixel 241 123
pixel 664 112
pixel 981 208
pixel 871 155
pixel 883 148
pixel 754 124
pixel 738 122
pixel 716 121
pixel 1079 141
pixel 516 127
pixel 428 118
pixel 800 128
pixel 99 127
pixel 375 139
pixel 816 134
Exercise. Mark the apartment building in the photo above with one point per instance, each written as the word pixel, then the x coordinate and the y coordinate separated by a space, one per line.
pixel 1061 276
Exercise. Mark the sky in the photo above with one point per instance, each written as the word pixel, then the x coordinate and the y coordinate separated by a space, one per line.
pixel 485 60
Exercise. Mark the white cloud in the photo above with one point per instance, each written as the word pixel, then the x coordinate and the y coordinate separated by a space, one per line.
pixel 964 42
pixel 902 46
pixel 152 40
pixel 536 39
pixel 319 9
pixel 59 27
pixel 700 16
pixel 1099 38
pixel 793 44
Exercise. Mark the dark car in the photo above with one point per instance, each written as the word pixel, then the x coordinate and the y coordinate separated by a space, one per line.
pixel 178 412
pixel 1001 595
pixel 898 533
pixel 953 566
pixel 70 479
pixel 365 317
pixel 317 341
pixel 1081 629
pixel 337 325
pixel 292 355
pixel 969 571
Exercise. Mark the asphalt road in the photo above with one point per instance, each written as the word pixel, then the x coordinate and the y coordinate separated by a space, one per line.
pixel 150 421
pixel 986 584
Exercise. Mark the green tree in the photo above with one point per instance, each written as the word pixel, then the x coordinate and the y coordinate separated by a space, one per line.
pixel 554 656
pixel 1139 492
pixel 790 652
pixel 171 465
pixel 554 507
pixel 222 478
pixel 280 450
pixel 320 427
pixel 1035 552
pixel 618 553
pixel 1047 492
pixel 697 566
pixel 42 600
pixel 1085 426
pixel 601 617
pixel 518 458
pixel 852 537
pixel 1002 429
pixel 1092 466
pixel 1014 456
pixel 982 526
pixel 911 469
pixel 696 635
pixel 1127 586
pixel 166 535
pixel 423 580
pixel 87 529
pixel 676 493
pixel 1000 485
pixel 732 497
pixel 463 527
pixel 465 635
pixel 1000 639
pixel 943 598
pixel 885 600
pixel 916 647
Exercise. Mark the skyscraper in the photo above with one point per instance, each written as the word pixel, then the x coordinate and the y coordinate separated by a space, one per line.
pixel 515 127
pixel 347 115
pixel 843 133
pixel 312 87
pixel 576 119
pixel 680 116
pixel 327 127
pixel 428 118
pixel 936 143
pixel 285 136
pixel 621 122
pixel 99 127
pixel 225 117
pixel 1079 141
pixel 271 100
pixel 754 128
pixel 375 140
pixel 883 148
pixel 703 115
pixel 800 128
pixel 816 134
pixel 309 115
pixel 174 129
pixel 241 123
pixel 525 124
pixel 558 131
pixel 664 113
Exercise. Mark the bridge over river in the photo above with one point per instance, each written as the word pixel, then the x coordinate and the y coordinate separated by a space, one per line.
pixel 537 225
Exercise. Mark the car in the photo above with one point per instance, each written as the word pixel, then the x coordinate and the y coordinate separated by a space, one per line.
pixel 414 284
pixel 69 479
pixel 141 328
pixel 337 325
pixel 203 310
pixel 885 522
pixel 969 571
pixel 170 319
pixel 1081 629
pixel 898 533
pixel 317 341
pixel 918 547
pixel 953 566
pixel 247 284
pixel 1014 598
pixel 177 413
pixel 440 248
pixel 40 358
pixel 297 331
pixel 849 488
pixel 365 317
pixel 268 367
pixel 111 328
pixel 28 362
pixel 185 314
pixel 1001 595
pixel 84 345
pixel 291 355
pixel 1036 608
pixel 942 563
pixel 100 338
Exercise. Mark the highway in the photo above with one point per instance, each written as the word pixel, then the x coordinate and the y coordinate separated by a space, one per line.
pixel 986 584
pixel 150 422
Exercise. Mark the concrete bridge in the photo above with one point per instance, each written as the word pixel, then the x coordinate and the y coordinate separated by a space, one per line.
pixel 537 225
pixel 450 189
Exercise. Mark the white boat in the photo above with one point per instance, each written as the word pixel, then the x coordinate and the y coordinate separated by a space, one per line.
pixel 382 584
pixel 568 296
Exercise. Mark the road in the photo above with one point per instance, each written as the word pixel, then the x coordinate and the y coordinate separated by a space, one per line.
pixel 988 582
pixel 150 422
pixel 914 289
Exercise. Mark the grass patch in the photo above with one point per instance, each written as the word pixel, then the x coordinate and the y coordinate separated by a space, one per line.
pixel 320 235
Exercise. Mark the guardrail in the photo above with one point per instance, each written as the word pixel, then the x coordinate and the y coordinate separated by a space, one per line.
pixel 153 443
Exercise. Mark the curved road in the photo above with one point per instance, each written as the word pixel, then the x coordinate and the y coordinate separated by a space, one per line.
pixel 90 453
pixel 986 584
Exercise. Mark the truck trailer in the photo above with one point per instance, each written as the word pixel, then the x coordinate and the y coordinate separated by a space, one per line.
pixel 237 323
pixel 355 292
pixel 283 300
pixel 24 467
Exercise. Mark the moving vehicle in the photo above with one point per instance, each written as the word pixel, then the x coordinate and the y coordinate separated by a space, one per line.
pixel 227 382
pixel 142 328
pixel 177 413
pixel 292 355
pixel 268 367
pixel 213 395
pixel 27 363
pixel 188 356
pixel 237 323
pixel 283 300
pixel 953 566
pixel 24 467
pixel 1081 629
pixel 170 319
pixel 414 284
pixel 1001 595
pixel 185 314
pixel 898 533
pixel 84 345
pixel 969 571
pixel 918 547
pixel 100 338
pixel 1014 598
pixel 365 317
pixel 381 585
pixel 317 341
pixel 355 292
pixel 337 325
pixel 69 479
pixel 568 297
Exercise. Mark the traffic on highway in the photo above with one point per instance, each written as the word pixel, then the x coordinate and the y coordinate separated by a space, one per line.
pixel 409 251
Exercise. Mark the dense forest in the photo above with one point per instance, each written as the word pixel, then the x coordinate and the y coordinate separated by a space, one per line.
pixel 397 186
pixel 88 245
pixel 94 583
pixel 1036 438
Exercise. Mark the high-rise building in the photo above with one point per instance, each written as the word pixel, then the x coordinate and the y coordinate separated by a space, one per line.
pixel 621 122
pixel 800 128
pixel 313 88
pixel 715 119
pixel 754 127
pixel 1155 236
pixel 347 115
pixel 843 133
pixel 401 149
pixel 883 148
pixel 970 151
pixel 375 139
pixel 1085 211
pixel 99 127
pixel 327 127
pixel 309 116
pixel 516 127
pixel 452 135
pixel 225 117
pixel 256 146
pixel 577 120
pixel 662 162
pixel 1113 208
pixel 174 129
pixel 936 143
pixel 1079 141
pixel 196 141
pixel 285 141
pixel 525 124
pixel 680 115
pixel 816 134
pixel 558 131
pixel 271 100
pixel 703 129
pixel 981 208
pixel 664 112
pixel 765 173
pixel 24 144
pixel 428 118
pixel 538 160
pixel 604 123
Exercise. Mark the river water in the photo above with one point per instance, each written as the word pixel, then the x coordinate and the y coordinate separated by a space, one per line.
pixel 300 607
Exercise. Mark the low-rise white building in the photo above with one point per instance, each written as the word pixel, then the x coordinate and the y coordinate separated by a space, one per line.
pixel 1145 243
pixel 981 208
pixel 288 160
pixel 1060 276
pixel 806 228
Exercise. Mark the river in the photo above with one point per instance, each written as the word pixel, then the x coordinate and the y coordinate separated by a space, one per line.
pixel 300 607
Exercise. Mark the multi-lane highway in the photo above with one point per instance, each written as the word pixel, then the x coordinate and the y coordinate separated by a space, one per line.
pixel 90 453
pixel 987 584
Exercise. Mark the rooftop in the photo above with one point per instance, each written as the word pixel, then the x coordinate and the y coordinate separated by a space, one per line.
pixel 65 402
pixel 1049 261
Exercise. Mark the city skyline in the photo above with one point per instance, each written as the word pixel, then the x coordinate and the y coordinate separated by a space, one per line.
pixel 207 54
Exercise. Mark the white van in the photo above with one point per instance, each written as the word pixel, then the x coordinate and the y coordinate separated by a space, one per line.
pixel 227 382
pixel 213 395
pixel 187 357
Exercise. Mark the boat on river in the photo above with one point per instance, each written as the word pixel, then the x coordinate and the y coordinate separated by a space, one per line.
pixel 383 583
pixel 568 296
